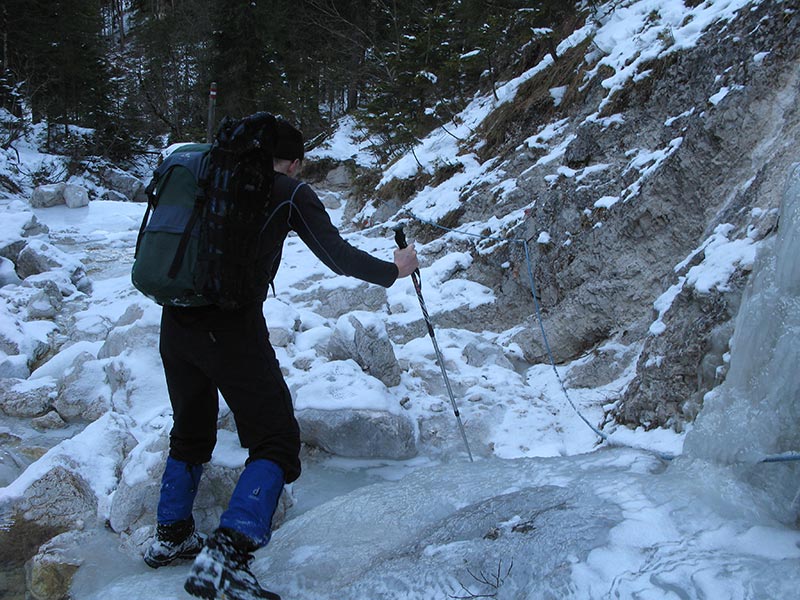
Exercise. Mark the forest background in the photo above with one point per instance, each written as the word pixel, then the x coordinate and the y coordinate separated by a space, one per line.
pixel 111 78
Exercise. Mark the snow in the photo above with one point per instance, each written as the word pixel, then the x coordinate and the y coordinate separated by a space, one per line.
pixel 618 523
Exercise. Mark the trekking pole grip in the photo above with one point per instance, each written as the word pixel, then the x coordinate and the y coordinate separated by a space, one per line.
pixel 400 237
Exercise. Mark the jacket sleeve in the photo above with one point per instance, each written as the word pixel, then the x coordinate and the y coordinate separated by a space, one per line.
pixel 312 223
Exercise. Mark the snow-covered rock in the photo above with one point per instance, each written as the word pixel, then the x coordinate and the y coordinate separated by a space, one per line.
pixel 359 433
pixel 362 336
pixel 45 196
pixel 23 398
pixel 123 183
pixel 49 574
pixel 75 196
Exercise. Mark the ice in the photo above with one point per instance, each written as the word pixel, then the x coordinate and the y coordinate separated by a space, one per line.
pixel 757 410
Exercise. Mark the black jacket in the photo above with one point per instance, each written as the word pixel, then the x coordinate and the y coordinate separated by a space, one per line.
pixel 295 207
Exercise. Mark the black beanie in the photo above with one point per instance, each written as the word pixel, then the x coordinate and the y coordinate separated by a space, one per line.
pixel 288 141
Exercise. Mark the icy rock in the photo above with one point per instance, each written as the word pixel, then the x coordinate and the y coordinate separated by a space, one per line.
pixel 83 393
pixel 136 499
pixel 45 196
pixel 481 354
pixel 337 178
pixel 22 398
pixel 363 338
pixel 61 499
pixel 49 574
pixel 605 365
pixel 131 188
pixel 34 227
pixel 332 304
pixel 75 196
pixel 8 276
pixel 14 367
pixel 127 337
pixel 51 420
pixel 46 303
pixel 39 257
pixel 358 433
pixel 280 336
pixel 113 196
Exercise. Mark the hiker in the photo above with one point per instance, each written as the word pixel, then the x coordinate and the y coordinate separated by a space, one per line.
pixel 206 350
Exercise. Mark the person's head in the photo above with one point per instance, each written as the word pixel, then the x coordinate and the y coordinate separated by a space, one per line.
pixel 288 152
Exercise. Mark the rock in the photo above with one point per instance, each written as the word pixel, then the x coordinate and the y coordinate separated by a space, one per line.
pixel 46 303
pixel 363 338
pixel 583 148
pixel 61 499
pixel 359 433
pixel 333 304
pixel 39 257
pixel 34 227
pixel 23 398
pixel 45 196
pixel 8 276
pixel 128 337
pixel 280 336
pixel 49 574
pixel 75 196
pixel 479 354
pixel 11 250
pixel 51 420
pixel 337 178
pixel 83 393
pixel 14 367
pixel 113 196
pixel 119 181
pixel 605 365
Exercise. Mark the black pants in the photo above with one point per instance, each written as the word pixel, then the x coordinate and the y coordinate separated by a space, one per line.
pixel 204 351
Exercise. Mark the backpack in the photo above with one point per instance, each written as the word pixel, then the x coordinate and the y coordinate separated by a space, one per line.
pixel 210 205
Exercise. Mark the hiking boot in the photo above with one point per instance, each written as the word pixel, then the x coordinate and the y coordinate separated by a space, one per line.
pixel 222 569
pixel 174 541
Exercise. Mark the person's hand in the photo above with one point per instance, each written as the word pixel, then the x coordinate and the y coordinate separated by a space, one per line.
pixel 406 261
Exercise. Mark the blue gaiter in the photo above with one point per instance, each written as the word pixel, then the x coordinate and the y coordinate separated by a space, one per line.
pixel 254 501
pixel 178 490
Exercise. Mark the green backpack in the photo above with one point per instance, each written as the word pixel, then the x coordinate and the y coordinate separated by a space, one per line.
pixel 210 204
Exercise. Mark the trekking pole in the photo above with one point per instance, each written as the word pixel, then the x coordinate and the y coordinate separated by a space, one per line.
pixel 400 238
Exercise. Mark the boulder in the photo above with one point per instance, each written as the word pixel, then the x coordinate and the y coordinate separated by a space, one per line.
pixel 129 333
pixel 39 257
pixel 363 338
pixel 51 420
pixel 23 398
pixel 75 196
pixel 332 304
pixel 81 394
pixel 48 575
pixel 129 186
pixel 359 433
pixel 45 196
pixel 14 367
pixel 60 499
pixel 480 354
pixel 45 303
pixel 8 276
